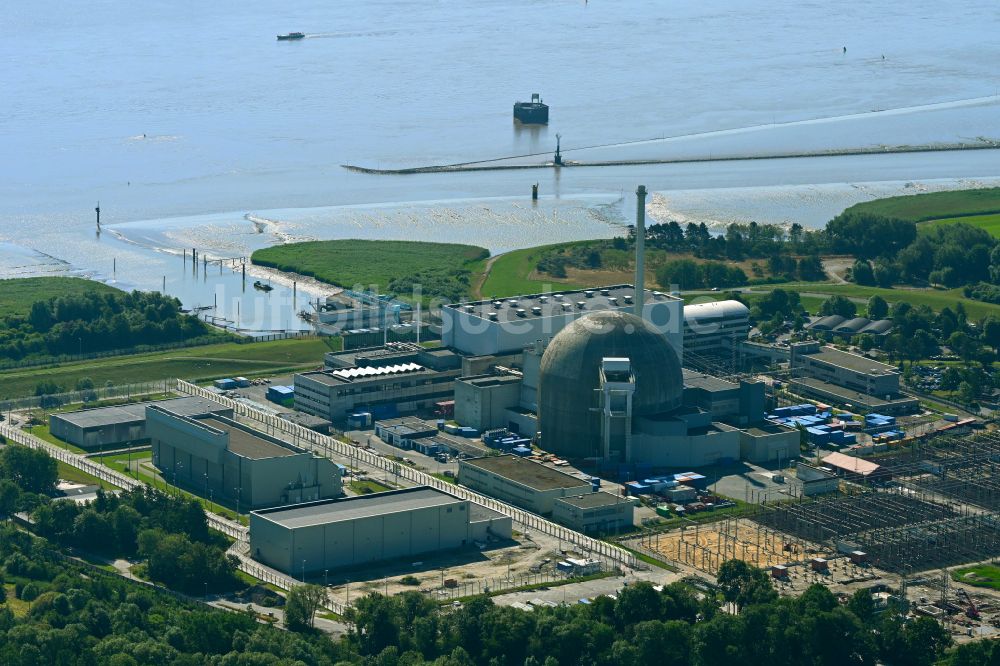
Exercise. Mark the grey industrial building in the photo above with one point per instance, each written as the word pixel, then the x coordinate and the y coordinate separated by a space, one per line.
pixel 354 531
pixel 402 377
pixel 509 325
pixel 843 378
pixel 107 427
pixel 524 483
pixel 594 513
pixel 236 462
pixel 489 401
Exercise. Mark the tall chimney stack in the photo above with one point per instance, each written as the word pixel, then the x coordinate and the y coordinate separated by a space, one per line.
pixel 640 249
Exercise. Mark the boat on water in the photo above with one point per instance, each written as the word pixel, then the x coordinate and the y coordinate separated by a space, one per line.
pixel 533 112
pixel 291 35
pixel 262 286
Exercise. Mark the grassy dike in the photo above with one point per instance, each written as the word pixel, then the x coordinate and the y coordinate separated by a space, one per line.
pixel 192 363
pixel 934 205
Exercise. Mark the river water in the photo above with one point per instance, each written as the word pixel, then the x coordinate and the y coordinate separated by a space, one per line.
pixel 195 128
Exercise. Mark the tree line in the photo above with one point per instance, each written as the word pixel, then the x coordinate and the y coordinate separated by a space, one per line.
pixel 169 533
pixel 95 322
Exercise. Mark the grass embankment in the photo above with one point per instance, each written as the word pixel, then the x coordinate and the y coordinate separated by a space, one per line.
pixel 934 205
pixel 511 274
pixel 193 363
pixel 988 223
pixel 367 486
pixel 983 575
pixel 350 263
pixel 74 475
pixel 17 295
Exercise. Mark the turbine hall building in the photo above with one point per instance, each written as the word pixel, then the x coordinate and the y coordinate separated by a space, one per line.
pixel 349 532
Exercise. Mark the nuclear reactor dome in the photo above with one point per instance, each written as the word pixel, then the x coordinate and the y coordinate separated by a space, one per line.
pixel 570 376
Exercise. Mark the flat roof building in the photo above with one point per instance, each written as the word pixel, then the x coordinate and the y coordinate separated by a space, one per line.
pixel 354 531
pixel 499 326
pixel 237 463
pixel 524 483
pixel 485 402
pixel 118 425
pixel 402 377
pixel 594 513
pixel 814 368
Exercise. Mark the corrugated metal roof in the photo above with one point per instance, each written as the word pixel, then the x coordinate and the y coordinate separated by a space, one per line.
pixel 851 464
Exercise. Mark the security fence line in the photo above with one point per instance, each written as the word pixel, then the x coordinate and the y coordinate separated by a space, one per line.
pixel 324 444
pixel 511 583
pixel 95 394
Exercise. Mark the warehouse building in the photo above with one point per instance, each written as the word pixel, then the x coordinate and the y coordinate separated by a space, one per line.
pixel 236 463
pixel 398 378
pixel 508 325
pixel 524 483
pixel 348 532
pixel 843 378
pixel 108 427
pixel 716 328
pixel 594 513
pixel 844 369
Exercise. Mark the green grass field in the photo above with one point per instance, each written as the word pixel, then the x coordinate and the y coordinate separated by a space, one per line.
pixel 983 575
pixel 935 205
pixel 17 295
pixel 989 223
pixel 367 486
pixel 347 263
pixel 74 475
pixel 510 271
pixel 193 363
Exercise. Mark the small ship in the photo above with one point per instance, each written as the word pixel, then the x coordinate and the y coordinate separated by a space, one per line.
pixel 291 35
pixel 533 112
